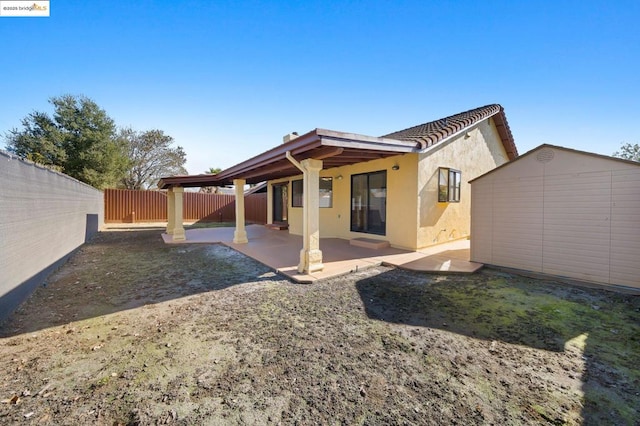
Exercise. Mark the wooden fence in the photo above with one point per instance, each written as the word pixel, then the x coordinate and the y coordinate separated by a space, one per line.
pixel 129 206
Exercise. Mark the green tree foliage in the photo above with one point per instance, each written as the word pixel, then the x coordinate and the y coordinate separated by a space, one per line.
pixel 40 141
pixel 152 157
pixel 211 189
pixel 79 140
pixel 629 152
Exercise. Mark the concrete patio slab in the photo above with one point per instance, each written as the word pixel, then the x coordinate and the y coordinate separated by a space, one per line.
pixel 281 251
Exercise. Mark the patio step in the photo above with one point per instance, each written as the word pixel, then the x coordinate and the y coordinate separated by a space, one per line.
pixel 278 226
pixel 369 243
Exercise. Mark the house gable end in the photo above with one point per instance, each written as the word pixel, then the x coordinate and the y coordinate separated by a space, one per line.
pixel 444 129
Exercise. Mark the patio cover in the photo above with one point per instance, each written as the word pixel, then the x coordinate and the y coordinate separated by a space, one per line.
pixel 333 148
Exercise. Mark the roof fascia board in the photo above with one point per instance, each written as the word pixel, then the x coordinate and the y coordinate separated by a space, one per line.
pixel 500 121
pixel 390 145
pixel 333 135
pixel 269 156
pixel 314 139
pixel 194 181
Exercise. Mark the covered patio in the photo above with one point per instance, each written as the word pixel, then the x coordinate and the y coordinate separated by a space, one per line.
pixel 281 252
pixel 305 155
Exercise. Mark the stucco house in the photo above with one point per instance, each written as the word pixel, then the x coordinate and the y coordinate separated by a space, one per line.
pixel 408 189
pixel 562 212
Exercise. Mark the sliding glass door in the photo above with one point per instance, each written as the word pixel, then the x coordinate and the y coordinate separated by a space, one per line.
pixel 369 202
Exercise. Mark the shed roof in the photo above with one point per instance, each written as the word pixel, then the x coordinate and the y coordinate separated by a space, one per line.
pixel 340 148
pixel 562 148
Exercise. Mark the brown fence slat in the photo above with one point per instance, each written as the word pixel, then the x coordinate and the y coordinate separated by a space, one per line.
pixel 209 207
pixel 255 208
pixel 129 206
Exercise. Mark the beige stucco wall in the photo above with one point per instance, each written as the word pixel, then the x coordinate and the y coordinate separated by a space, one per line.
pixel 415 219
pixel 474 153
pixel 562 213
pixel 402 216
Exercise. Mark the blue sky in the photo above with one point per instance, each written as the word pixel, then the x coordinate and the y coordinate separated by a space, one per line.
pixel 227 79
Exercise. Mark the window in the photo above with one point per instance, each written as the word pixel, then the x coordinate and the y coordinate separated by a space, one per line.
pixel 369 202
pixel 325 192
pixel 449 181
pixel 296 193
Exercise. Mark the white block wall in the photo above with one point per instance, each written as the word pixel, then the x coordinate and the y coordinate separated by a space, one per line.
pixel 44 217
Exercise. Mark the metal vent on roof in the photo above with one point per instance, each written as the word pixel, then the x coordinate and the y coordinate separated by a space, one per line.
pixel 545 155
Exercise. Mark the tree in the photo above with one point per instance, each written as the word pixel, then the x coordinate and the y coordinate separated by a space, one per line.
pixel 629 152
pixel 151 157
pixel 38 142
pixel 211 189
pixel 78 140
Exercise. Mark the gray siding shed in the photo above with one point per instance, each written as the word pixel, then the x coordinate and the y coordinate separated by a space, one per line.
pixel 561 212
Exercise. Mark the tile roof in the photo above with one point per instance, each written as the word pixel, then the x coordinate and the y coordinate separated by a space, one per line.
pixel 433 132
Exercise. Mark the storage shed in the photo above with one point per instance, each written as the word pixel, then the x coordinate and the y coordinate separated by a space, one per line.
pixel 561 212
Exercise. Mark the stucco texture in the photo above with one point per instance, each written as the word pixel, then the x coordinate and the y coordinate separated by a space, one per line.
pixel 473 153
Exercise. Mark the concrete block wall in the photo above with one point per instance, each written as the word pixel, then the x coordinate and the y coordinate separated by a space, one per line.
pixel 44 217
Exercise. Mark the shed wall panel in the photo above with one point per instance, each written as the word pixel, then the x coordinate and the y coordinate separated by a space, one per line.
pixel 482 221
pixel 517 222
pixel 625 235
pixel 577 225
pixel 579 212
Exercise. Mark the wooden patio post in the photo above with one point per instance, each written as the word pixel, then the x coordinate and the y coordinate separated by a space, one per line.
pixel 240 234
pixel 178 226
pixel 310 255
pixel 269 203
pixel 171 213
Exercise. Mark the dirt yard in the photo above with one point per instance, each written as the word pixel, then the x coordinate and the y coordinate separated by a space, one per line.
pixel 131 331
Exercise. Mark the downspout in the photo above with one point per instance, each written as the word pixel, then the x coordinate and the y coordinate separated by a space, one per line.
pixel 305 221
pixel 294 161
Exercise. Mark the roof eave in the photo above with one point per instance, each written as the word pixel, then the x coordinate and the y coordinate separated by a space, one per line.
pixel 300 143
pixel 300 148
pixel 502 125
pixel 347 140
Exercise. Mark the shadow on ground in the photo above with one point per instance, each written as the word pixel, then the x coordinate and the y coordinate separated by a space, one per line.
pixel 539 314
pixel 121 270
